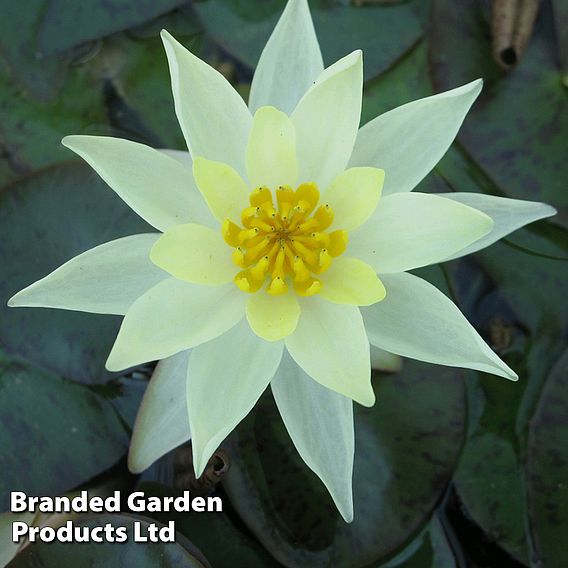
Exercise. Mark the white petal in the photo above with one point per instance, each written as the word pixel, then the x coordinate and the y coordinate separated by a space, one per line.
pixel 213 117
pixel 153 184
pixel 290 62
pixel 103 280
pixel 162 423
pixel 225 378
pixel 508 215
pixel 382 360
pixel 320 423
pixel 409 230
pixel 172 317
pixel 331 346
pixel 416 320
pixel 327 119
pixel 408 141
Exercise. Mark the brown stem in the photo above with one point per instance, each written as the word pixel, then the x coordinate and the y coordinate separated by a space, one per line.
pixel 503 16
pixel 512 25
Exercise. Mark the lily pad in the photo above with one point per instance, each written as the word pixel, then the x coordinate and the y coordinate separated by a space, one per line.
pixel 54 434
pixel 517 129
pixel 406 449
pixel 31 131
pixel 430 549
pixel 65 25
pixel 46 219
pixel 101 555
pixel 38 75
pixel 383 32
pixel 547 463
pixel 528 331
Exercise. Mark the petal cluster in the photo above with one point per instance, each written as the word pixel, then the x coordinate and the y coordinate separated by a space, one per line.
pixel 283 240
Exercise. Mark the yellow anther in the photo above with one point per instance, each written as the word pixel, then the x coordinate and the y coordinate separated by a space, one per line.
pixel 230 232
pixel 320 238
pixel 324 261
pixel 324 217
pixel 239 257
pixel 307 226
pixel 268 209
pixel 259 196
pixel 309 287
pixel 277 287
pixel 285 194
pixel 308 194
pixel 259 249
pixel 245 281
pixel 259 270
pixel 301 273
pixel 337 242
pixel 262 225
pixel 248 214
pixel 285 209
pixel 278 269
pixel 248 234
pixel 304 252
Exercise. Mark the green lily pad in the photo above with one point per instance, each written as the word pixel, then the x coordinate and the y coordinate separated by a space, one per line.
pixel 37 74
pixel 406 449
pixel 527 330
pixel 430 549
pixel 547 463
pixel 102 555
pixel 383 32
pixel 31 131
pixel 65 25
pixel 517 129
pixel 54 434
pixel 45 220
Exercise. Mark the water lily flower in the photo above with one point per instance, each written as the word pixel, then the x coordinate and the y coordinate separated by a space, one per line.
pixel 286 237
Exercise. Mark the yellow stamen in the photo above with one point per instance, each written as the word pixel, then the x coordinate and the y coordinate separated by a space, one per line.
pixel 284 246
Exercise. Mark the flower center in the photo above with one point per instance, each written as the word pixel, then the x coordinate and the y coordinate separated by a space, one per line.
pixel 286 245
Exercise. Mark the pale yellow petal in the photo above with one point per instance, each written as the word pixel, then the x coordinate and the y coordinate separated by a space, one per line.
pixel 273 317
pixel 195 254
pixel 330 344
pixel 222 187
pixel 351 281
pixel 271 151
pixel 353 195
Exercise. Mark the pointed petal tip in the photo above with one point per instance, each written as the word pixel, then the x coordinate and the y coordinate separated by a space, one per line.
pixel 347 515
pixel 166 35
pixel 133 466
pixel 13 301
pixel 367 400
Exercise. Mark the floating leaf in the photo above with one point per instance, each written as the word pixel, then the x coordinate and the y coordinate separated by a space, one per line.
pixel 65 25
pixel 547 463
pixel 45 220
pixel 54 434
